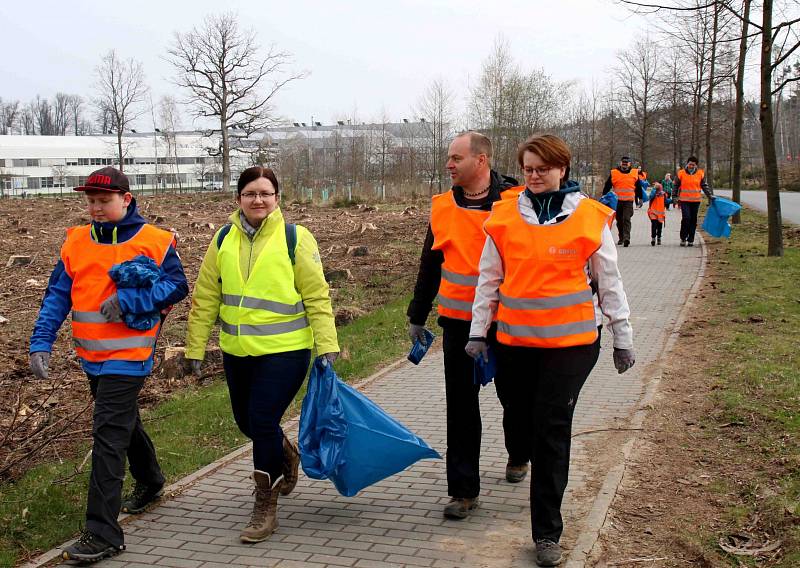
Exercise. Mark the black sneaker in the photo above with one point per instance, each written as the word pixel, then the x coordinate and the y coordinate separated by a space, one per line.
pixel 626 244
pixel 619 242
pixel 90 548
pixel 653 242
pixel 683 243
pixel 548 552
pixel 142 495
pixel 659 241
pixel 690 244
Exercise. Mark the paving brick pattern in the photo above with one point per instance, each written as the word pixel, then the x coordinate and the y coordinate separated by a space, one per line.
pixel 398 522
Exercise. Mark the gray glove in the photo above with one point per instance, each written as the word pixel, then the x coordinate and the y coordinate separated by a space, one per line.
pixel 331 357
pixel 197 365
pixel 623 359
pixel 111 309
pixel 417 332
pixel 477 348
pixel 40 361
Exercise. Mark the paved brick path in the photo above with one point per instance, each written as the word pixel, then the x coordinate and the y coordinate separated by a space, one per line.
pixel 398 522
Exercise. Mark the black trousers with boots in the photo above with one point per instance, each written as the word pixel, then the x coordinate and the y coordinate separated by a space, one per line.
pixel 624 214
pixel 689 212
pixel 464 414
pixel 548 382
pixel 117 432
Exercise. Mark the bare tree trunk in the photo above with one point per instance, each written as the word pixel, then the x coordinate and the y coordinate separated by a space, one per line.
pixel 738 121
pixel 775 223
pixel 119 149
pixel 710 97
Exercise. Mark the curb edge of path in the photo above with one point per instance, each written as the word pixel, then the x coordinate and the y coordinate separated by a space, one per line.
pixel 596 518
pixel 46 558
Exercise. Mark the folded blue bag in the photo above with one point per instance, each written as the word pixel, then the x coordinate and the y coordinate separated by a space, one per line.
pixel 609 200
pixel 347 438
pixel 419 349
pixel 139 272
pixel 485 371
pixel 716 221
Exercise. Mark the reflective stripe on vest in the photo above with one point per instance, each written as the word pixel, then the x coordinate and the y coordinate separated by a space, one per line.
pixel 545 298
pixel 656 211
pixel 87 262
pixel 458 233
pixel 624 184
pixel 260 316
pixel 690 185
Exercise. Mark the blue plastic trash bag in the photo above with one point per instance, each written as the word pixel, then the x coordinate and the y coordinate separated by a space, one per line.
pixel 139 272
pixel 347 438
pixel 716 221
pixel 609 200
pixel 485 371
pixel 418 350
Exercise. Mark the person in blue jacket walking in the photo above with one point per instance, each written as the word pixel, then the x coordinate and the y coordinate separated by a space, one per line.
pixel 116 358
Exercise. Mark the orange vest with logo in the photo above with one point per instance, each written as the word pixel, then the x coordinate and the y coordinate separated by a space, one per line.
pixel 545 298
pixel 458 233
pixel 87 262
pixel 624 184
pixel 657 210
pixel 690 185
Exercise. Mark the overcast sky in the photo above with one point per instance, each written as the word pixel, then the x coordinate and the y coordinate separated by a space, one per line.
pixel 367 55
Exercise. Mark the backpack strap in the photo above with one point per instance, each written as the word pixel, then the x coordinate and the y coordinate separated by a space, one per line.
pixel 291 238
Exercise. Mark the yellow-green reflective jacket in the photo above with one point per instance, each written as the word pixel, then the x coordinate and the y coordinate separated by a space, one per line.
pixel 264 304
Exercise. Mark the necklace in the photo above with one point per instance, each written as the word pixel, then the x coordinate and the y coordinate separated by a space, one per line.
pixel 476 193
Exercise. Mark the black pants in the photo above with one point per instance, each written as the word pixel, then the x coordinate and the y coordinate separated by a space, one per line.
pixel 464 414
pixel 261 389
pixel 117 431
pixel 547 383
pixel 689 220
pixel 655 228
pixel 624 214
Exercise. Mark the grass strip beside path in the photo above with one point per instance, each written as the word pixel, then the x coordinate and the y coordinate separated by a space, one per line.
pixel 46 506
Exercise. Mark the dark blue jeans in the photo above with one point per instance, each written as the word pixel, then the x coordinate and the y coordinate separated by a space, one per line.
pixel 261 389
pixel 689 220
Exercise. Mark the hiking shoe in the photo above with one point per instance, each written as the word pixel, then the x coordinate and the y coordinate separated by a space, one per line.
pixel 626 244
pixel 683 243
pixel 90 548
pixel 658 242
pixel 140 497
pixel 548 552
pixel 653 242
pixel 460 507
pixel 619 242
pixel 516 473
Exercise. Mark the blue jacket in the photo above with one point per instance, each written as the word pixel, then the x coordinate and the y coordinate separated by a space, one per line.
pixel 171 288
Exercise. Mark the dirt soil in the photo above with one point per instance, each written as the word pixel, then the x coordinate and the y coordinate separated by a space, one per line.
pixel 689 469
pixel 370 254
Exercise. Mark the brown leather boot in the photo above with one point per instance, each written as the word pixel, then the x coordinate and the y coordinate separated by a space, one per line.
pixel 264 520
pixel 291 466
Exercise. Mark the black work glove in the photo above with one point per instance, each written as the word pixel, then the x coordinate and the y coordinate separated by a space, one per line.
pixel 417 333
pixel 624 359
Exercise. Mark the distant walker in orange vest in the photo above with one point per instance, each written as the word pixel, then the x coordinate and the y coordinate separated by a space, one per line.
pixel 689 182
pixel 657 212
pixel 624 181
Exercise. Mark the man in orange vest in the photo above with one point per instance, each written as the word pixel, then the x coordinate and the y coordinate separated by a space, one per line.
pixel 624 180
pixel 449 268
pixel 690 181
pixel 114 348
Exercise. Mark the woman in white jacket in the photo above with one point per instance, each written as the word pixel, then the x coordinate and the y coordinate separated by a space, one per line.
pixel 549 274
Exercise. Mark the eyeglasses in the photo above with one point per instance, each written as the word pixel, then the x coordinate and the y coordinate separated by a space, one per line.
pixel 540 171
pixel 250 196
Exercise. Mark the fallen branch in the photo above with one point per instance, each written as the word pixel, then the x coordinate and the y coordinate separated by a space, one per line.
pixel 576 434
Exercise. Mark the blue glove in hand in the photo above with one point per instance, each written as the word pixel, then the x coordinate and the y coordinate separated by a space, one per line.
pixel 40 362
pixel 623 359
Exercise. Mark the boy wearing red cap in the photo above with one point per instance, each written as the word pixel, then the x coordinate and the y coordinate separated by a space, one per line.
pixel 116 358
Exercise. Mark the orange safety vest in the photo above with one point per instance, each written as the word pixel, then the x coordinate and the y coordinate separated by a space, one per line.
pixel 87 262
pixel 458 233
pixel 690 185
pixel 657 210
pixel 624 184
pixel 545 298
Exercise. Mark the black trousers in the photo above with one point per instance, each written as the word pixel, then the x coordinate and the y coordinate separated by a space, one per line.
pixel 117 432
pixel 547 383
pixel 261 389
pixel 689 220
pixel 464 426
pixel 624 214
pixel 655 228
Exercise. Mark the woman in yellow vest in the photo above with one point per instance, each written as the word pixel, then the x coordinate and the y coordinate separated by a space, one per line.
pixel 263 279
pixel 549 272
